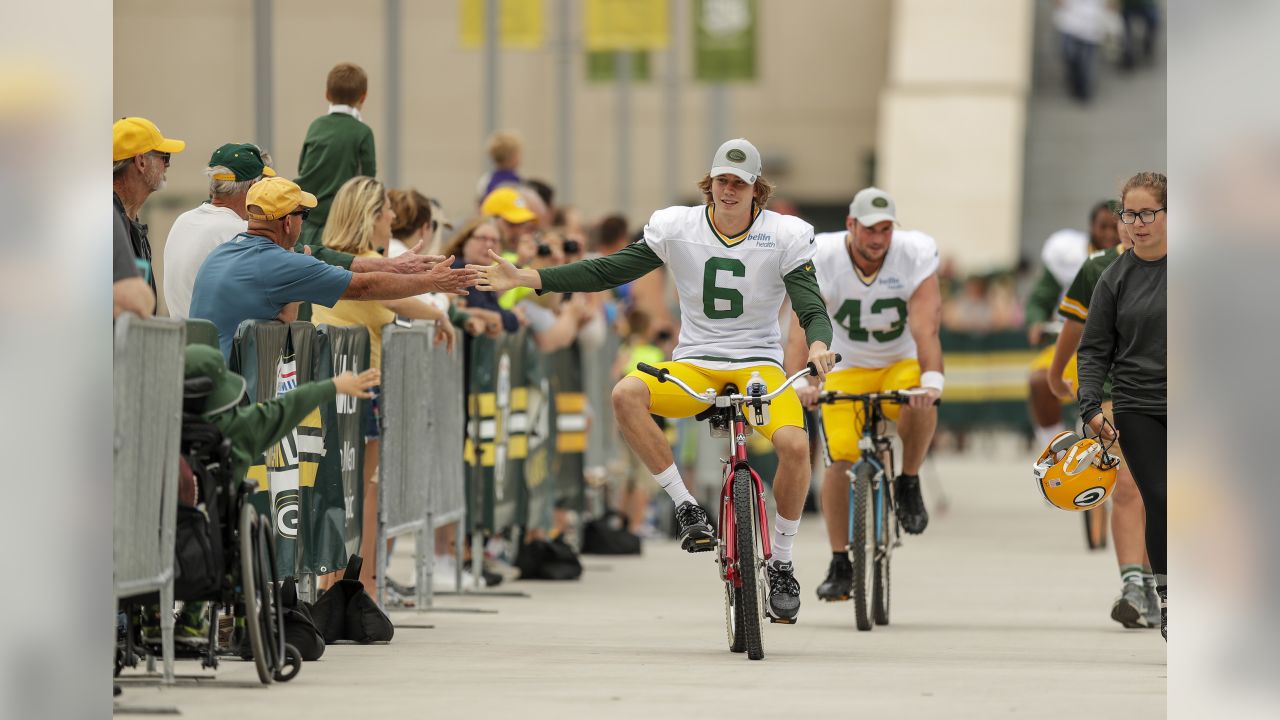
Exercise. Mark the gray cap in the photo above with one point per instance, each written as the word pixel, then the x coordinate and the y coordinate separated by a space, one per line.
pixel 872 205
pixel 737 157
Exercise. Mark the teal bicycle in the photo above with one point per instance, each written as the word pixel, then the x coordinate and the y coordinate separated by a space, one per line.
pixel 874 530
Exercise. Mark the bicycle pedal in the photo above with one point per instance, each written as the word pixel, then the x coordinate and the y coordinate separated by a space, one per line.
pixel 696 545
pixel 842 598
pixel 782 621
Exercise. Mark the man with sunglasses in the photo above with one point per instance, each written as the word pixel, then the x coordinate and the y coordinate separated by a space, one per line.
pixel 257 276
pixel 140 157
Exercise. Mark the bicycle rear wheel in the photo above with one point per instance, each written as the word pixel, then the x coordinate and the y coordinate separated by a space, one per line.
pixel 861 543
pixel 249 580
pixel 883 554
pixel 748 616
pixel 271 609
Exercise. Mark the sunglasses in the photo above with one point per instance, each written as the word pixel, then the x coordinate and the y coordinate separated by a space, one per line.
pixel 302 213
pixel 164 157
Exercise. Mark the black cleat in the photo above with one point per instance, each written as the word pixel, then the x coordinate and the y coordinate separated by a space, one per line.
pixel 909 504
pixel 839 582
pixel 784 593
pixel 696 534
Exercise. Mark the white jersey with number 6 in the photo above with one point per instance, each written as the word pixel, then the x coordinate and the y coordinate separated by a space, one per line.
pixel 731 288
pixel 869 320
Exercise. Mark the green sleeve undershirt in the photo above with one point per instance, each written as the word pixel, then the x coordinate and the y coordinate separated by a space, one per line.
pixel 331 257
pixel 603 273
pixel 807 302
pixel 1043 301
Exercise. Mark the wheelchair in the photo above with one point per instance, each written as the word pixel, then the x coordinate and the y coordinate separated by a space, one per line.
pixel 239 555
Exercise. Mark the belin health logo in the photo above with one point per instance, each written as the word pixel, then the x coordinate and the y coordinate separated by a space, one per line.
pixel 736 155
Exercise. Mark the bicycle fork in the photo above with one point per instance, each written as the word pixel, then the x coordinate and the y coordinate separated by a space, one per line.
pixel 729 529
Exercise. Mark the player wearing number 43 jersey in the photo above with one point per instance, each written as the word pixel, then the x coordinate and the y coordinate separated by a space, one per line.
pixel 880 286
pixel 732 261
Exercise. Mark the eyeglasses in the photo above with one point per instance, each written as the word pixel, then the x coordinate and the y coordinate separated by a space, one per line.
pixel 164 157
pixel 1148 216
pixel 302 213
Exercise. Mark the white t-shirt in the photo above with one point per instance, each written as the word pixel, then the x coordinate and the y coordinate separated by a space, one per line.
pixel 730 288
pixel 395 248
pixel 193 236
pixel 869 321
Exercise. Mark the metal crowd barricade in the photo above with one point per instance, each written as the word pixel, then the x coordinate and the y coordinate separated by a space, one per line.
pixel 421 482
pixel 147 380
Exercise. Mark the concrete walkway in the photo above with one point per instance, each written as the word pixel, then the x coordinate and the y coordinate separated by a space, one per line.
pixel 998 611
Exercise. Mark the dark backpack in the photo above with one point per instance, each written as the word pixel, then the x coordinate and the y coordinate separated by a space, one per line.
pixel 548 560
pixel 300 629
pixel 346 612
pixel 609 535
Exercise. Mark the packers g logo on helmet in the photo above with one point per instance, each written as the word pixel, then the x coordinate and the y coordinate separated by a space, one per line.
pixel 1075 473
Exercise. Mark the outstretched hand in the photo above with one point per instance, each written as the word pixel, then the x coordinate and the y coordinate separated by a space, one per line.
pixel 448 280
pixel 358 386
pixel 499 278
pixel 411 263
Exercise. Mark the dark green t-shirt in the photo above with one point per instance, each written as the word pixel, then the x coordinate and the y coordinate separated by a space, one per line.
pixel 1075 304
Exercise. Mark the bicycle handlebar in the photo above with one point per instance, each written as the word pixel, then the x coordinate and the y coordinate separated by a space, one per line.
pixel 897 397
pixel 709 397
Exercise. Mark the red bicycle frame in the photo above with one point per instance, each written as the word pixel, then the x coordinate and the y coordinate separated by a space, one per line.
pixel 728 529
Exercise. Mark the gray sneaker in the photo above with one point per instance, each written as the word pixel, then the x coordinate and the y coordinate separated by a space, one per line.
pixel 784 592
pixel 1130 608
pixel 1152 614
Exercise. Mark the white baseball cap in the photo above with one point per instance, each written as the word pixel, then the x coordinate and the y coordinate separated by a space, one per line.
pixel 872 205
pixel 737 157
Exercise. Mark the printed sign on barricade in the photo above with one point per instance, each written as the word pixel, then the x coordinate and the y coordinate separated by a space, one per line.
pixel 570 422
pixel 334 502
pixel 274 359
pixel 497 430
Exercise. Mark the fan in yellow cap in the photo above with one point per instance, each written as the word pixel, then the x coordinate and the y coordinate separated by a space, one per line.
pixel 275 197
pixel 133 136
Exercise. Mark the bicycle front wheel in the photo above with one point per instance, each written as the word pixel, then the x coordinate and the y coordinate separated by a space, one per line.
pixel 745 542
pixel 883 554
pixel 861 543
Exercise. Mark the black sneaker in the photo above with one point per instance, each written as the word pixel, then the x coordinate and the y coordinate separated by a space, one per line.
pixel 696 534
pixel 1163 592
pixel 839 582
pixel 909 504
pixel 784 592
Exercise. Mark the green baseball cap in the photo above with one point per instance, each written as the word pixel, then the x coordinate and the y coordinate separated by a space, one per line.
pixel 228 387
pixel 244 160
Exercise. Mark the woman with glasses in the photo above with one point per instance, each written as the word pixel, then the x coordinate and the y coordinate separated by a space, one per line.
pixel 1125 337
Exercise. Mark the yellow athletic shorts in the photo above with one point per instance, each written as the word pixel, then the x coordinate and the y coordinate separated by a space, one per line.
pixel 669 401
pixel 842 422
pixel 1069 373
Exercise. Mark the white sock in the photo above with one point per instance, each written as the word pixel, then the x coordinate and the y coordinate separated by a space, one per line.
pixel 670 481
pixel 1045 435
pixel 784 536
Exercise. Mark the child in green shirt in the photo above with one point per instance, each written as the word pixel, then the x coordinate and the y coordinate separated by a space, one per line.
pixel 338 147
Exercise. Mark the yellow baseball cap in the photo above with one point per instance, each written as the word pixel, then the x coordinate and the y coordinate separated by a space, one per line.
pixel 133 136
pixel 506 203
pixel 276 197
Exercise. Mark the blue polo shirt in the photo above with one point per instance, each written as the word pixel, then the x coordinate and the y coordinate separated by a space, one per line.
pixel 252 278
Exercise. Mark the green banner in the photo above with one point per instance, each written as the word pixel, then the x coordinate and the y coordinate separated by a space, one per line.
pixel 603 66
pixel 725 40
pixel 274 359
pixel 333 503
pixel 497 430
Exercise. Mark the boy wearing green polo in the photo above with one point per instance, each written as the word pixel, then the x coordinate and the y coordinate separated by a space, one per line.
pixel 338 147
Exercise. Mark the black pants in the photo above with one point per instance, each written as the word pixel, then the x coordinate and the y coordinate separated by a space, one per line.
pixel 1144 439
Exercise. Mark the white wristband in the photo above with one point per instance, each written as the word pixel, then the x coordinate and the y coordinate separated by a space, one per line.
pixel 801 383
pixel 932 379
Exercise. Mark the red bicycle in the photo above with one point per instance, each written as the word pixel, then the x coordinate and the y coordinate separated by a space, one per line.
pixel 743 525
